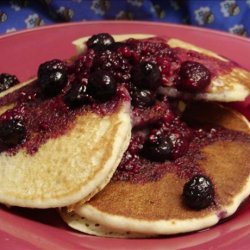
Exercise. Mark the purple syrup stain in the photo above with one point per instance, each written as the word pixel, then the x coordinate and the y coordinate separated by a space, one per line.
pixel 185 166
pixel 221 214
pixel 46 118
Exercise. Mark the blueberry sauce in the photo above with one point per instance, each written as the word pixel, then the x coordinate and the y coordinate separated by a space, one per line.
pixel 183 159
pixel 46 118
pixel 97 81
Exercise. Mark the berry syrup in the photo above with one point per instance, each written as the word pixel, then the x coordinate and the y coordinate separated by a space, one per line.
pixel 119 68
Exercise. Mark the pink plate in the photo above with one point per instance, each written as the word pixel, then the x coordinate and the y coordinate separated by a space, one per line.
pixel 22 52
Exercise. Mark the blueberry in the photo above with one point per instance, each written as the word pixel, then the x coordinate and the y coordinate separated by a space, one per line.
pixel 49 66
pixel 7 81
pixel 198 193
pixel 52 77
pixel 142 98
pixel 193 77
pixel 146 75
pixel 12 132
pixel 157 148
pixel 101 85
pixel 116 45
pixel 77 96
pixel 100 41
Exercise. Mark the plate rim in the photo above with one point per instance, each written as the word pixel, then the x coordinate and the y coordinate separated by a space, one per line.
pixel 112 22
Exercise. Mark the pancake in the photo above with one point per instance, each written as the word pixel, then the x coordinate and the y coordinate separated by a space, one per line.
pixel 89 227
pixel 157 207
pixel 64 168
pixel 226 87
pixel 230 84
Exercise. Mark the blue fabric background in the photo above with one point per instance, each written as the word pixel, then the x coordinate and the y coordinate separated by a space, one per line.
pixel 227 15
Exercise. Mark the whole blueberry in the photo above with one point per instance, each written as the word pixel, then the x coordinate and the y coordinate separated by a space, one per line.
pixel 12 132
pixel 77 96
pixel 101 85
pixel 157 148
pixel 142 98
pixel 52 77
pixel 146 75
pixel 46 67
pixel 7 81
pixel 198 192
pixel 100 41
pixel 193 77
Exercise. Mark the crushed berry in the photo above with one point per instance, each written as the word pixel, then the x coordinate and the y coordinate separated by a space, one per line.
pixel 180 136
pixel 113 62
pixel 147 116
pixel 193 77
pixel 83 63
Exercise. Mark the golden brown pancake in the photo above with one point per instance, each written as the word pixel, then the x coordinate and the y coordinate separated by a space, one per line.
pixel 67 167
pixel 157 207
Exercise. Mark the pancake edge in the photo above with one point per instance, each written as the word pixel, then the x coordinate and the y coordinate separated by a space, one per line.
pixel 164 227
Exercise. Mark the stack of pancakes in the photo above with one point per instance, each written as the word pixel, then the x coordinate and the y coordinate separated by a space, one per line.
pixel 76 176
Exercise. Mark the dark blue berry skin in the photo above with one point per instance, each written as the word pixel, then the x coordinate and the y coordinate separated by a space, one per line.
pixel 52 77
pixel 146 75
pixel 101 85
pixel 51 65
pixel 100 41
pixel 77 96
pixel 142 98
pixel 7 81
pixel 157 148
pixel 193 77
pixel 198 193
pixel 12 132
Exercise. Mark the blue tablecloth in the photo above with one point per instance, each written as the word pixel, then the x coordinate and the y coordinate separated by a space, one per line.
pixel 227 15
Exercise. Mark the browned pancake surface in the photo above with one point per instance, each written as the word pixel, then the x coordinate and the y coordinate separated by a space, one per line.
pixel 226 162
